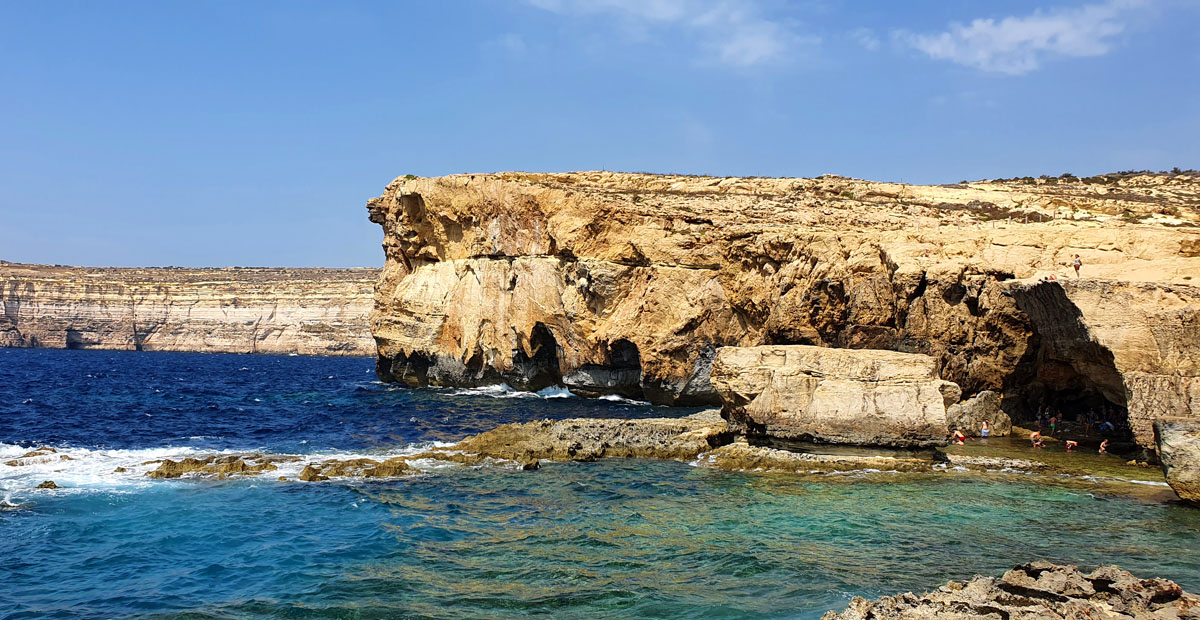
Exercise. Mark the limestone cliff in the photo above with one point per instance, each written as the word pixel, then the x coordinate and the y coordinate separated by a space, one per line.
pixel 234 310
pixel 626 283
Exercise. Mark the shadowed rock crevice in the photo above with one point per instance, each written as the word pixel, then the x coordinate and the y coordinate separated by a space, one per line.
pixel 1066 368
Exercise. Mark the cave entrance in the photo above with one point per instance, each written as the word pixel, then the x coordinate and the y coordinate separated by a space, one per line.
pixel 539 368
pixel 621 375
pixel 1066 373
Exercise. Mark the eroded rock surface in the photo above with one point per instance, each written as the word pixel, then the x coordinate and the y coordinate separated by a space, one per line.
pixel 1036 591
pixel 235 310
pixel 590 439
pixel 628 283
pixel 797 393
pixel 969 415
pixel 1178 442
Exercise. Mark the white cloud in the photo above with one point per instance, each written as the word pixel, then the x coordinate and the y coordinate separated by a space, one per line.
pixel 1018 45
pixel 866 38
pixel 732 32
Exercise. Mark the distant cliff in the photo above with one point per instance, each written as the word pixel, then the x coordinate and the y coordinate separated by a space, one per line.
pixel 231 310
pixel 626 283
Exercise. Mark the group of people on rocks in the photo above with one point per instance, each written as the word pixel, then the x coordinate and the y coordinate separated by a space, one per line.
pixel 1104 420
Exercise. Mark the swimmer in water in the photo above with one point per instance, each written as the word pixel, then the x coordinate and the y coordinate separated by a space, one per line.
pixel 1071 445
pixel 958 437
pixel 1035 438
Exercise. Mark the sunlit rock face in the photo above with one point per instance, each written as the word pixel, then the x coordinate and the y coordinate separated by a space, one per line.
pixel 236 310
pixel 1178 443
pixel 628 284
pixel 798 393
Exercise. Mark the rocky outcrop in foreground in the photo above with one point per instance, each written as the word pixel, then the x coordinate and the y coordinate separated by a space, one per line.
pixel 233 310
pixel 628 283
pixel 1036 591
pixel 797 393
pixel 1178 442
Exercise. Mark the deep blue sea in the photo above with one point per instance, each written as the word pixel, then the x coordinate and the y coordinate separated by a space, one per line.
pixel 610 539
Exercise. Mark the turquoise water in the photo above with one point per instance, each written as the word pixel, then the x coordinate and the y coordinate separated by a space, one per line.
pixel 611 539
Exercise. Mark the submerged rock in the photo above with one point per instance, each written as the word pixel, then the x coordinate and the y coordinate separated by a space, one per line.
pixel 1036 591
pixel 1178 441
pixel 969 415
pixel 790 393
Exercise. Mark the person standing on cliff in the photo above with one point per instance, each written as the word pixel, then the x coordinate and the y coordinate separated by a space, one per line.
pixel 1078 264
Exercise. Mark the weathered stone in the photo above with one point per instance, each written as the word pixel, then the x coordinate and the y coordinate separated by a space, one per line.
pixel 1036 591
pixel 49 484
pixel 588 439
pixel 803 393
pixel 312 474
pixel 969 415
pixel 625 283
pixel 235 310
pixel 1178 442
pixel 219 466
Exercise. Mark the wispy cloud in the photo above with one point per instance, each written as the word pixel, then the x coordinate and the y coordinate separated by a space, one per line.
pixel 866 38
pixel 733 33
pixel 1016 45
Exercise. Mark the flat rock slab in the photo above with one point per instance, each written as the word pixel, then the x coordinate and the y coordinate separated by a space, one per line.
pixel 838 396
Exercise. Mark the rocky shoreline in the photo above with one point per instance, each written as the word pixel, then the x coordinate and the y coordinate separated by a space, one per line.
pixel 1036 591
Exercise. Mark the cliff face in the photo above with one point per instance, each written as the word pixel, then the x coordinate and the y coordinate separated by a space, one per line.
pixel 626 283
pixel 236 310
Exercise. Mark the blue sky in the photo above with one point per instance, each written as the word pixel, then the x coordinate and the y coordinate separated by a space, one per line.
pixel 252 133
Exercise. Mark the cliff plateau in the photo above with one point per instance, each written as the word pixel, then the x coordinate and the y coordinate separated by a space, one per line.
pixel 628 283
pixel 233 310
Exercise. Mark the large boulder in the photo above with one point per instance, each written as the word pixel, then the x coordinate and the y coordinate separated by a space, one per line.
pixel 970 414
pixel 1178 442
pixel 797 393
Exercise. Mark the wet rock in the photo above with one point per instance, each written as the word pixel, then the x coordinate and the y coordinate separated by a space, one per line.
pixel 1178 443
pixel 1035 591
pixel 312 474
pixel 969 415
pixel 530 465
pixel 120 470
pixel 218 466
pixel 795 393
pixel 49 484
pixel 741 456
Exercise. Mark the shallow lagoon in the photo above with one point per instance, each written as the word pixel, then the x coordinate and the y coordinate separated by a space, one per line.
pixel 608 539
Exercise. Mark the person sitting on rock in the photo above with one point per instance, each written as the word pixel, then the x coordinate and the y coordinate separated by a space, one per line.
pixel 1072 444
pixel 958 437
pixel 983 429
pixel 1104 447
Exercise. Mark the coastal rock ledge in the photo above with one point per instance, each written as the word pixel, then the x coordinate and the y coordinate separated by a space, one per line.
pixel 1036 591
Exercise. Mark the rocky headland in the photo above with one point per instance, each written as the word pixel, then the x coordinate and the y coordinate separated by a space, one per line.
pixel 628 283
pixel 749 293
pixel 230 310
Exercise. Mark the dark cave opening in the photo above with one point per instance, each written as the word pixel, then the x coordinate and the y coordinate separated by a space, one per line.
pixel 1065 374
pixel 539 368
pixel 621 375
